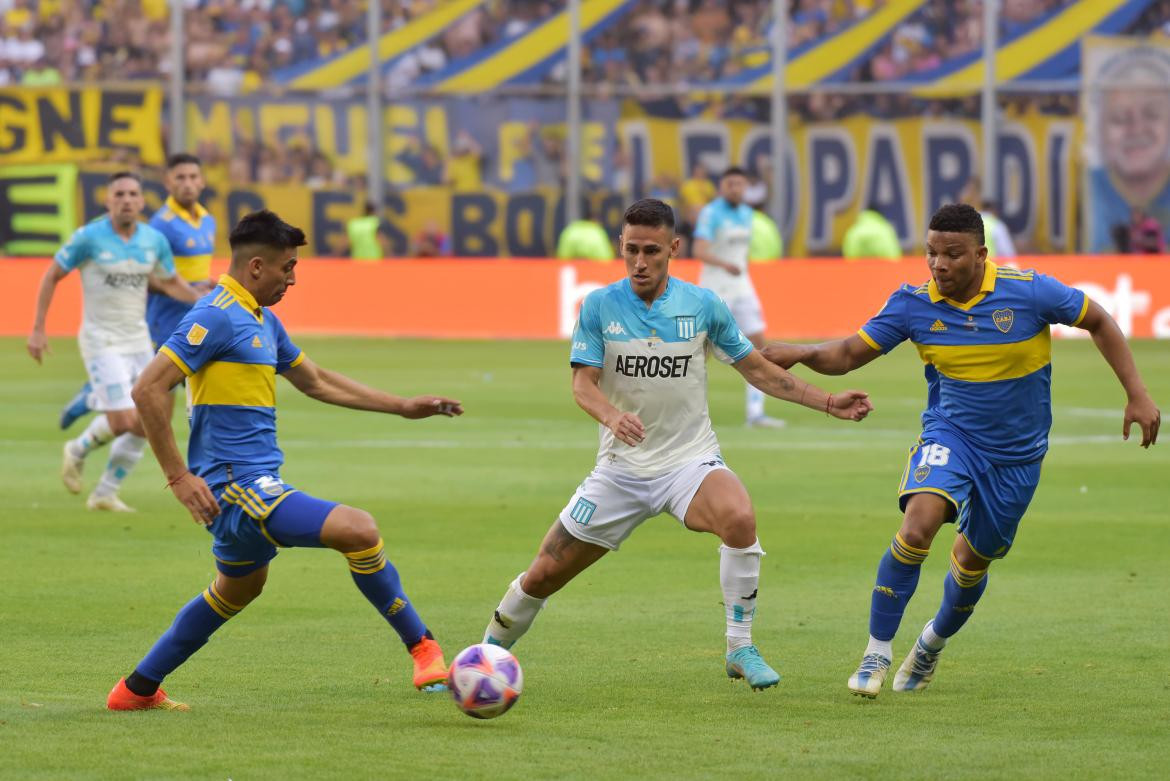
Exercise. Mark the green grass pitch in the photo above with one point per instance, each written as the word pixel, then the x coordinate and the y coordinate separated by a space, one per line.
pixel 1062 673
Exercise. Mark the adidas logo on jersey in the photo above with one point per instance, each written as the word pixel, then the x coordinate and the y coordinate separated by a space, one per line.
pixel 615 329
pixel 937 326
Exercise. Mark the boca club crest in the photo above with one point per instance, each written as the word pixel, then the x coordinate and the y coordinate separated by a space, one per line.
pixel 1003 319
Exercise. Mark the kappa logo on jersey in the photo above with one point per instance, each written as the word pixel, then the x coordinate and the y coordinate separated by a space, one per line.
pixel 615 329
pixel 937 326
pixel 1003 319
pixel 686 327
pixel 196 335
pixel 583 511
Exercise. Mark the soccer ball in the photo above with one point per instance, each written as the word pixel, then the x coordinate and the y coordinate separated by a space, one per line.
pixel 485 681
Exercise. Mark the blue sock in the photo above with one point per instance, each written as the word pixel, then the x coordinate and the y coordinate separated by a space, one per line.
pixel 961 590
pixel 897 577
pixel 192 627
pixel 378 580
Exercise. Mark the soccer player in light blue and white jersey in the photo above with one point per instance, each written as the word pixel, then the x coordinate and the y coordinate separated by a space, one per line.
pixel 983 333
pixel 639 369
pixel 723 234
pixel 190 231
pixel 116 256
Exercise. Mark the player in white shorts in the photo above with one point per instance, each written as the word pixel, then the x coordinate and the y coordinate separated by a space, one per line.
pixel 723 233
pixel 115 255
pixel 639 369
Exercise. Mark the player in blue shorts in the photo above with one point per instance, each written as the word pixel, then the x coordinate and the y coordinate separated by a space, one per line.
pixel 230 347
pixel 983 333
pixel 190 231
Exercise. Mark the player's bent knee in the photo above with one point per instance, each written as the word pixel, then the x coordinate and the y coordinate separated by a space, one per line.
pixel 349 529
pixel 737 527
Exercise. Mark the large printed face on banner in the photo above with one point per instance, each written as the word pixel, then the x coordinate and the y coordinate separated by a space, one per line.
pixel 1136 131
pixel 1128 124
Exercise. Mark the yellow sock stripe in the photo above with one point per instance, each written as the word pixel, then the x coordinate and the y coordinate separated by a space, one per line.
pixel 219 597
pixel 218 606
pixel 966 578
pixel 369 561
pixel 907 554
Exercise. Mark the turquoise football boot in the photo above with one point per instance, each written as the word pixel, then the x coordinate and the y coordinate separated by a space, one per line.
pixel 747 663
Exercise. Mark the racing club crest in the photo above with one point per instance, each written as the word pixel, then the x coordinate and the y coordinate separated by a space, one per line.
pixel 686 327
pixel 1003 319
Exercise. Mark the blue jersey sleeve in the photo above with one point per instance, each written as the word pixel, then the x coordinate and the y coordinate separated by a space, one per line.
pixel 729 342
pixel 588 347
pixel 887 329
pixel 202 335
pixel 707 223
pixel 75 251
pixel 288 354
pixel 1056 302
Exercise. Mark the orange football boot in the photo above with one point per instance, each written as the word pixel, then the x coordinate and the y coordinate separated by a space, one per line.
pixel 121 698
pixel 429 666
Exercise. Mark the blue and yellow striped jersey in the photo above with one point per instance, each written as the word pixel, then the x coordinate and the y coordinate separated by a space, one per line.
pixel 231 349
pixel 191 236
pixel 988 361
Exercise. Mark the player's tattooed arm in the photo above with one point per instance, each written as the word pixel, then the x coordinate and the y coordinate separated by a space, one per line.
pixel 779 383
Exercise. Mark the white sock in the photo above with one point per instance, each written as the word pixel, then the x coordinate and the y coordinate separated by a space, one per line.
pixel 739 577
pixel 755 403
pixel 514 616
pixel 933 641
pixel 96 434
pixel 883 647
pixel 124 454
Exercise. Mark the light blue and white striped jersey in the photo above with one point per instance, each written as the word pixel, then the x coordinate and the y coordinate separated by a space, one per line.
pixel 653 364
pixel 113 283
pixel 729 229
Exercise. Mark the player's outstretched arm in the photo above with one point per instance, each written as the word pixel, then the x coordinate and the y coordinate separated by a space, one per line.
pixel 152 397
pixel 779 383
pixel 1139 407
pixel 587 392
pixel 334 388
pixel 38 342
pixel 839 356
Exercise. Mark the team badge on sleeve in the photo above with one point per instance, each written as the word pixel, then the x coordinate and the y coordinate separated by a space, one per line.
pixel 196 335
pixel 686 327
pixel 1003 319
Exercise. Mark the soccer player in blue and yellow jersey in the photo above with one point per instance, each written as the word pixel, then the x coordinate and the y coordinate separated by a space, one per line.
pixel 190 231
pixel 230 346
pixel 983 333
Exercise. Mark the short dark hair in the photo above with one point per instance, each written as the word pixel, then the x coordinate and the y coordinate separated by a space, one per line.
pixel 651 213
pixel 124 175
pixel 266 229
pixel 183 158
pixel 958 218
pixel 734 170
